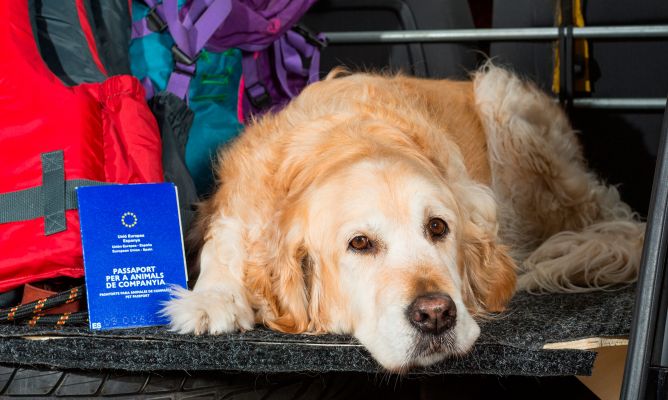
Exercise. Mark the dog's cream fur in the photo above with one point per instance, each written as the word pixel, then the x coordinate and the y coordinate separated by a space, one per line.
pixel 379 156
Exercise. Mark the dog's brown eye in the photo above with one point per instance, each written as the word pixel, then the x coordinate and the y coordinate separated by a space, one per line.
pixel 437 228
pixel 360 243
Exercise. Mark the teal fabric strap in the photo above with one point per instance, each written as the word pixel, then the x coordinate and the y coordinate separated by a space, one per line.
pixel 50 200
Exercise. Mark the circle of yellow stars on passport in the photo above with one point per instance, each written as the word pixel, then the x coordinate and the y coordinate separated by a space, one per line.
pixel 126 223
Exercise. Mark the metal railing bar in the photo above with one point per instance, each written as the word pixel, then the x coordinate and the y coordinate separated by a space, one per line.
pixel 498 34
pixel 646 315
pixel 621 103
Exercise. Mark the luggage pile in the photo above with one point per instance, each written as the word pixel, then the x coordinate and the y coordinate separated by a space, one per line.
pixel 96 93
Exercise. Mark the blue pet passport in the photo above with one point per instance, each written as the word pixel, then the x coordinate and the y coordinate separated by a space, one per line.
pixel 133 252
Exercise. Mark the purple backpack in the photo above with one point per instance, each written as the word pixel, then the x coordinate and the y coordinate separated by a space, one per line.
pixel 279 58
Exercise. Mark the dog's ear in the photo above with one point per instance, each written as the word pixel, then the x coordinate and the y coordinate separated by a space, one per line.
pixel 278 279
pixel 488 272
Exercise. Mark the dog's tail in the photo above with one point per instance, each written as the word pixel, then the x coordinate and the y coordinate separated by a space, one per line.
pixel 569 231
pixel 602 255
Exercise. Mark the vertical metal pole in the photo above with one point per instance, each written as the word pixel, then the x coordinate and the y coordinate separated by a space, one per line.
pixel 566 55
pixel 646 355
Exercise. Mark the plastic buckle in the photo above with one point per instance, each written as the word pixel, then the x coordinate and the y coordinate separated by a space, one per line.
pixel 184 71
pixel 310 36
pixel 260 101
pixel 183 58
pixel 154 22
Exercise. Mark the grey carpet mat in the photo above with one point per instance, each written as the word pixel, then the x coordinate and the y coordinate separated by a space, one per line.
pixel 511 344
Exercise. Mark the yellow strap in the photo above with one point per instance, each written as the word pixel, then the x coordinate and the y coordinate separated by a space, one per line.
pixel 581 49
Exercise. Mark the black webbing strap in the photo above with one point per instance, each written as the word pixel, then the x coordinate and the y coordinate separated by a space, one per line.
pixel 50 200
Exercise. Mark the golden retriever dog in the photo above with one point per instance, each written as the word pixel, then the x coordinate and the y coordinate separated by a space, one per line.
pixel 400 210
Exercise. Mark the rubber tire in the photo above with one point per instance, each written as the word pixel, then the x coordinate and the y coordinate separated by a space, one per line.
pixel 49 383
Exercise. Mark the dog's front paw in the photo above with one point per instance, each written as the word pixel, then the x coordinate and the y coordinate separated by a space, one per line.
pixel 209 311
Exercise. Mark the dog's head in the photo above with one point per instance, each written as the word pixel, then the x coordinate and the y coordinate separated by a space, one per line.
pixel 376 240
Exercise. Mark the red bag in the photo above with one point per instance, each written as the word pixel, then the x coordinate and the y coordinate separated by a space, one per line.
pixel 52 139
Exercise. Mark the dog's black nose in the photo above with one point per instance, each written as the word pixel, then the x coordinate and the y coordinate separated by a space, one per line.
pixel 433 313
